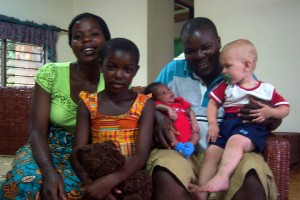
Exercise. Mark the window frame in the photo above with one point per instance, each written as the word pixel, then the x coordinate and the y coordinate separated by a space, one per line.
pixel 4 61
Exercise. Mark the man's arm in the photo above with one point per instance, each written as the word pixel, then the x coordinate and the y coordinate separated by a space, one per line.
pixel 244 113
pixel 163 130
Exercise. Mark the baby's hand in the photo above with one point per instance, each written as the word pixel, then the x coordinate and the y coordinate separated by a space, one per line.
pixel 195 127
pixel 172 114
pixel 212 133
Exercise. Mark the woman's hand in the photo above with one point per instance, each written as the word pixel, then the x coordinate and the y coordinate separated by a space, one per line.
pixel 53 187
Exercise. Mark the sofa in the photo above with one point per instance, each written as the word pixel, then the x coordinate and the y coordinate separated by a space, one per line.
pixel 14 125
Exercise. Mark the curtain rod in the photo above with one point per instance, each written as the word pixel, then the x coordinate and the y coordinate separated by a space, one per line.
pixel 30 23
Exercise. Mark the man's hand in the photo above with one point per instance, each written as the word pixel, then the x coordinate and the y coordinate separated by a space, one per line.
pixel 163 128
pixel 246 113
pixel 261 114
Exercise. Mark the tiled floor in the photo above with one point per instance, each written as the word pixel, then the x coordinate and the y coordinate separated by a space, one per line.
pixel 294 187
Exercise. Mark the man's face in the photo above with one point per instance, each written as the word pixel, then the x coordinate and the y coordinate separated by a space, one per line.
pixel 202 49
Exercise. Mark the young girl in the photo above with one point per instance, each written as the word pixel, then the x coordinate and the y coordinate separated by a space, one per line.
pixel 116 114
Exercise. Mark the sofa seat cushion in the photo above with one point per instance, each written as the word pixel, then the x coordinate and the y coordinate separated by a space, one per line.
pixel 5 165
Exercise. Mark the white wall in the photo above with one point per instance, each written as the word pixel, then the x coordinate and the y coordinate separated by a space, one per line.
pixel 125 19
pixel 54 12
pixel 272 25
pixel 160 35
pixel 177 29
pixel 148 23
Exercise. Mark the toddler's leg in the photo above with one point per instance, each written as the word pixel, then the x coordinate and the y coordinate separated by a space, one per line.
pixel 212 156
pixel 233 153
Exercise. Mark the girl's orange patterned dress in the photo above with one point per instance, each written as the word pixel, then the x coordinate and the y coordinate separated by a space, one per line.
pixel 121 129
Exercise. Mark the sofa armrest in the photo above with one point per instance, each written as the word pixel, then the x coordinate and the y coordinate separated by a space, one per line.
pixel 277 155
pixel 14 118
pixel 138 89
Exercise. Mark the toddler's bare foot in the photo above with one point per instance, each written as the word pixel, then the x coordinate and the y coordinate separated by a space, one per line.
pixel 216 184
pixel 197 194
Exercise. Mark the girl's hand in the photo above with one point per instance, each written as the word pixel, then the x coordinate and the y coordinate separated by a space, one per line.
pixel 100 188
pixel 86 180
pixel 212 133
pixel 53 187
pixel 110 197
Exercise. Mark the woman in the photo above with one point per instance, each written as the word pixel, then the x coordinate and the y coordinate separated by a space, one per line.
pixel 42 168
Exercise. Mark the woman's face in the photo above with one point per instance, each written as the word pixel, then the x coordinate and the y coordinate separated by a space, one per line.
pixel 87 40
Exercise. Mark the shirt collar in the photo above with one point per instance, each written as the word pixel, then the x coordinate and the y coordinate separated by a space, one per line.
pixel 217 81
pixel 212 86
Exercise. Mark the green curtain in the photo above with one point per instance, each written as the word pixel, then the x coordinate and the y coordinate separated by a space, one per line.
pixel 177 47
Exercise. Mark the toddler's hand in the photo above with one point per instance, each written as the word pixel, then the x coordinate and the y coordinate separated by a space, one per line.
pixel 212 133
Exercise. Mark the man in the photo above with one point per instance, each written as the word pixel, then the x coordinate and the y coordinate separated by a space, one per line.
pixel 193 78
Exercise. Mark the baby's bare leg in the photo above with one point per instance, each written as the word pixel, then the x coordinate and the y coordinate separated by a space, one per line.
pixel 233 153
pixel 208 169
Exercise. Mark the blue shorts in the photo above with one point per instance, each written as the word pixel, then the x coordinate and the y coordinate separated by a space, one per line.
pixel 232 125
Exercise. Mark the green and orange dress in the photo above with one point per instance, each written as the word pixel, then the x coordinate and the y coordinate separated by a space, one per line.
pixel 121 129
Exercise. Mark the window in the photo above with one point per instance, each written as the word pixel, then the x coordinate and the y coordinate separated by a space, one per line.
pixel 19 63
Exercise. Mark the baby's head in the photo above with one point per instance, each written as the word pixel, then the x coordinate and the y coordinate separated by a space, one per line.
pixel 160 92
pixel 119 58
pixel 238 58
